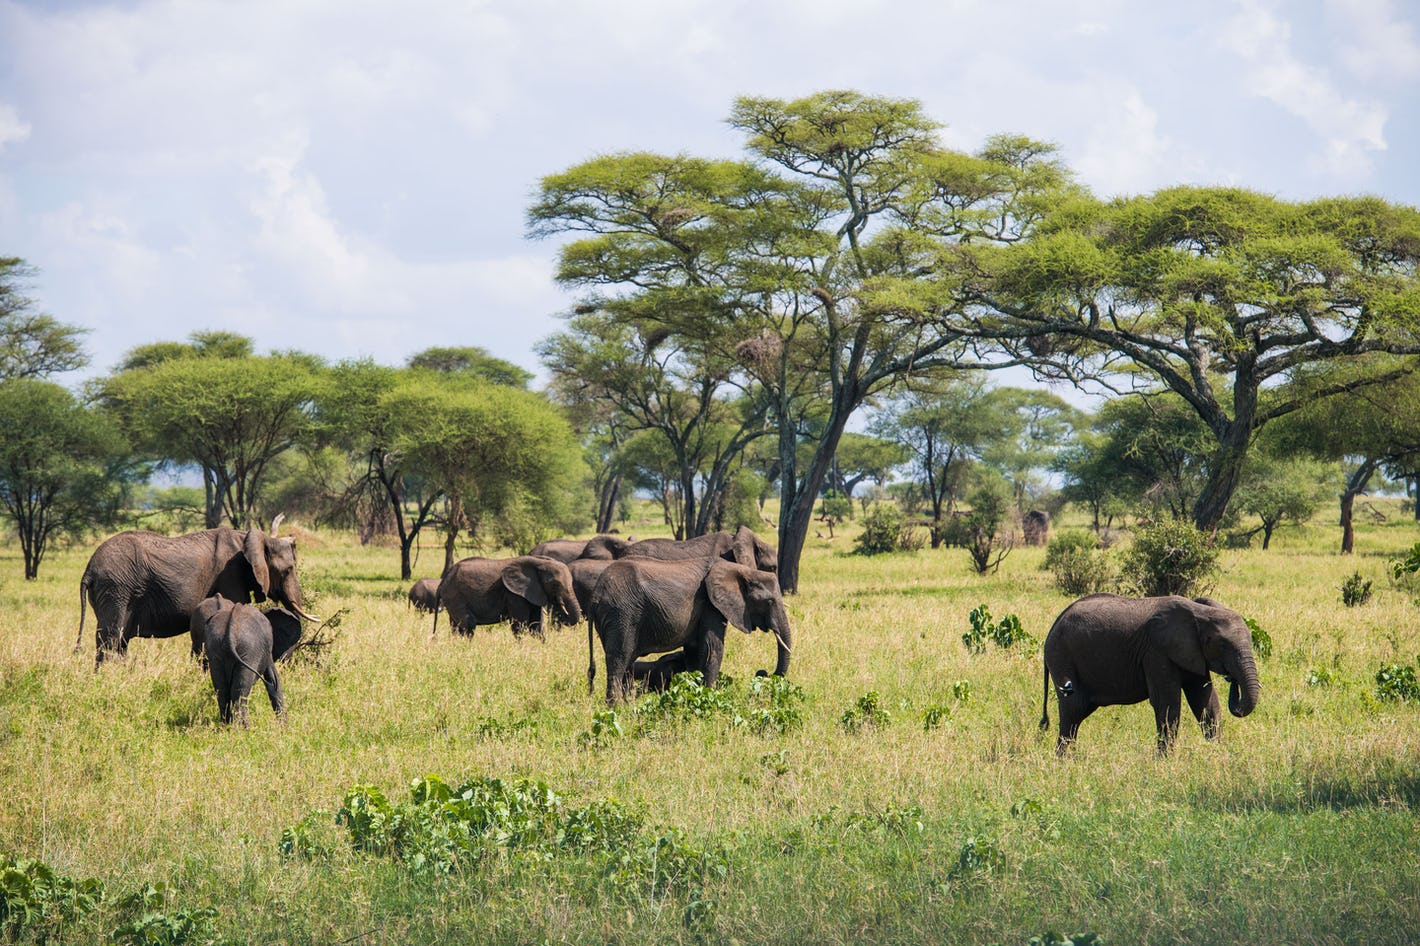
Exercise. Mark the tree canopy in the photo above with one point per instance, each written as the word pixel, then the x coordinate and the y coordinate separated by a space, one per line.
pixel 32 344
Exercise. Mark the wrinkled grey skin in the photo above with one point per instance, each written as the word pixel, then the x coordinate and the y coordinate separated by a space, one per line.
pixel 285 628
pixel 493 590
pixel 424 595
pixel 240 645
pixel 599 548
pixel 1106 650
pixel 142 584
pixel 741 546
pixel 644 607
pixel 654 676
pixel 586 572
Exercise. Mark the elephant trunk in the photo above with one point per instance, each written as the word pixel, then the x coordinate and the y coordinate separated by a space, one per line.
pixel 569 611
pixel 1245 688
pixel 783 640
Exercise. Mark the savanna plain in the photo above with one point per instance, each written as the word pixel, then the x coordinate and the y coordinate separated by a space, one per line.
pixel 469 789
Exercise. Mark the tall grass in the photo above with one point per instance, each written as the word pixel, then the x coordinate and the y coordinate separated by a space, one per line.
pixel 1298 825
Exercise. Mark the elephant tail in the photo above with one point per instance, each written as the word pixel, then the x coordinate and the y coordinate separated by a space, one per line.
pixel 591 656
pixel 1045 701
pixel 83 607
pixel 435 631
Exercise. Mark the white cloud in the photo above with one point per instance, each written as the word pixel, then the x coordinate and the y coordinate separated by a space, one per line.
pixel 1379 44
pixel 12 130
pixel 1350 130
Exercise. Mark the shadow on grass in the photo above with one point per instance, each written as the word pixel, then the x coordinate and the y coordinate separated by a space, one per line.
pixel 1393 784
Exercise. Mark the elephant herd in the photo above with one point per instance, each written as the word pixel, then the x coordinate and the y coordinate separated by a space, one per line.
pixel 660 597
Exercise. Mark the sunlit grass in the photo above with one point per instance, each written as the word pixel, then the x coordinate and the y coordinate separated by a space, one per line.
pixel 1299 824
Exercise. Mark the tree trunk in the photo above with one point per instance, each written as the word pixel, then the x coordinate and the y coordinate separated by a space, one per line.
pixel 1224 473
pixel 1355 486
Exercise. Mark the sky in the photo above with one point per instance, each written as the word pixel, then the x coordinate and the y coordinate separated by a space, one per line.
pixel 351 178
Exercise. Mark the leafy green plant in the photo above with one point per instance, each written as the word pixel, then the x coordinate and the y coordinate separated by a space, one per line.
pixel 1005 634
pixel 605 729
pixel 685 699
pixel 865 713
pixel 1409 565
pixel 1077 563
pixel 1318 677
pixel 934 716
pixel 1398 682
pixel 978 859
pixel 1170 557
pixel 150 923
pixel 1073 939
pixel 887 529
pixel 1355 591
pixel 779 712
pixel 1261 640
pixel 36 901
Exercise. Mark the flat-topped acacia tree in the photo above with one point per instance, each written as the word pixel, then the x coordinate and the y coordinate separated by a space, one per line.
pixel 809 268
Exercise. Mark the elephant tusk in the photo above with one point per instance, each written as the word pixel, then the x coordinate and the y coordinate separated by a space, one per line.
pixel 276 523
pixel 306 616
pixel 778 637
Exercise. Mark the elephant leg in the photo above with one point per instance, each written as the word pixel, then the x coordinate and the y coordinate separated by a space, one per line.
pixel 1073 709
pixel 618 675
pixel 1167 704
pixel 221 684
pixel 710 657
pixel 243 683
pixel 1202 699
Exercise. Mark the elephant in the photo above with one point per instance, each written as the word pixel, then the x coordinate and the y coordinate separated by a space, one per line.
pixel 586 572
pixel 241 647
pixel 644 607
pixel 142 584
pixel 741 546
pixel 491 590
pixel 424 595
pixel 597 548
pixel 1107 650
pixel 654 676
pixel 285 629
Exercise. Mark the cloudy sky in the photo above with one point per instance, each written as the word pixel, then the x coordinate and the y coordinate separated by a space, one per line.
pixel 350 178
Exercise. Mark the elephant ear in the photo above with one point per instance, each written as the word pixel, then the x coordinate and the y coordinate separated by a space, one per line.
pixel 744 546
pixel 524 579
pixel 254 550
pixel 724 585
pixel 1177 630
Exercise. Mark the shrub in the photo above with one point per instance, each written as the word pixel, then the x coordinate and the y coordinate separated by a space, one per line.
pixel 1355 591
pixel 1170 557
pixel 1077 562
pixel 865 713
pixel 982 531
pixel 35 900
pixel 1318 677
pixel 1409 565
pixel 1261 640
pixel 1397 682
pixel 1007 633
pixel 886 529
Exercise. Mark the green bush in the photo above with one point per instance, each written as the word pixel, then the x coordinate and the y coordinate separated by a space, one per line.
pixel 1398 683
pixel 1355 591
pixel 1261 640
pixel 1005 634
pixel 1170 557
pixel 36 901
pixel 1077 562
pixel 865 713
pixel 886 529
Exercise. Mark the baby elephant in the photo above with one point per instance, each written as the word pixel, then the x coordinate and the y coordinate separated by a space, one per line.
pixel 424 595
pixel 240 645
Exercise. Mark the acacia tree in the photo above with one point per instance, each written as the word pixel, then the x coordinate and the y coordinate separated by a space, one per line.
pixel 59 466
pixel 32 344
pixel 230 416
pixel 505 458
pixel 805 268
pixel 946 425
pixel 1219 295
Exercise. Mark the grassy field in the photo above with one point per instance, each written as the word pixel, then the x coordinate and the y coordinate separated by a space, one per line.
pixel 1299 825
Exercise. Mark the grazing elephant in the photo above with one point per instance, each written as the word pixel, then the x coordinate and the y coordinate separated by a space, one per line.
pixel 1106 650
pixel 142 584
pixel 492 590
pixel 742 547
pixel 240 645
pixel 424 595
pixel 644 607
pixel 598 548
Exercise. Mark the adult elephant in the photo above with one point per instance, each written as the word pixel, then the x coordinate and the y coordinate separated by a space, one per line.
pixel 642 607
pixel 478 591
pixel 586 572
pixel 141 584
pixel 598 548
pixel 241 646
pixel 1106 650
pixel 424 594
pixel 741 546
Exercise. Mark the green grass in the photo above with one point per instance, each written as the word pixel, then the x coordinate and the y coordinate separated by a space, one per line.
pixel 1298 825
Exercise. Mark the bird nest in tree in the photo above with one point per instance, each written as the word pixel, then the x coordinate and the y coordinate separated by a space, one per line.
pixel 760 351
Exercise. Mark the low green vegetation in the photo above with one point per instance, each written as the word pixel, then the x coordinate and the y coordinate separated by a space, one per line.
pixel 895 788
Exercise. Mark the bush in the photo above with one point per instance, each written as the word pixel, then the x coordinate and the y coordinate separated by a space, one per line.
pixel 1077 562
pixel 34 900
pixel 1261 640
pixel 983 531
pixel 886 529
pixel 1355 591
pixel 1170 557
pixel 1398 682
pixel 1005 633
